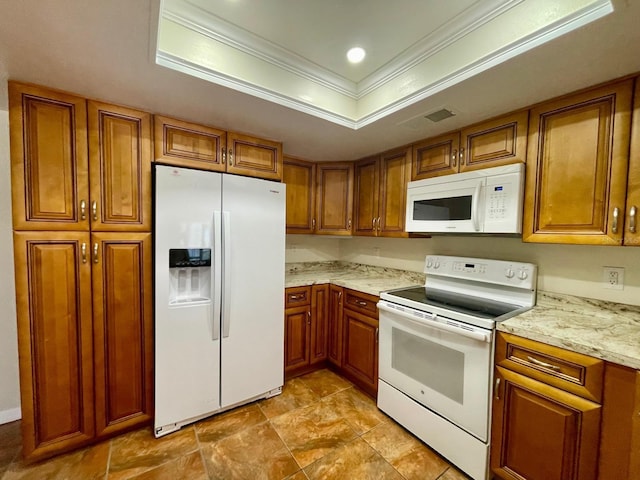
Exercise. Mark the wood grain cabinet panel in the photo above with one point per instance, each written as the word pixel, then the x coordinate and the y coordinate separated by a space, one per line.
pixel 395 168
pixel 577 162
pixel 300 178
pixel 360 349
pixel 188 144
pixel 334 329
pixel 366 192
pixel 53 286
pixel 254 157
pixel 297 337
pixel 334 198
pixel 436 156
pixel 123 330
pixel 49 166
pixel 541 432
pixel 632 220
pixel 120 168
pixel 497 142
pixel 319 323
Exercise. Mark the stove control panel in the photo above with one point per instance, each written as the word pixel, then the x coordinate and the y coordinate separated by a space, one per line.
pixel 516 274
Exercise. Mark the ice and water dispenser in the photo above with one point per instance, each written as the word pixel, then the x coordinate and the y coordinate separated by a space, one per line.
pixel 189 276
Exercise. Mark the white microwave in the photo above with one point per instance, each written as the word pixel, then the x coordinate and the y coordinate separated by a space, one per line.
pixel 480 201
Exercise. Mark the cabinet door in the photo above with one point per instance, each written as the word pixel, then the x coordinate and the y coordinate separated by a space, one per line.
pixel 334 198
pixel 632 222
pixel 577 161
pixel 120 168
pixel 360 349
pixel 394 176
pixel 365 198
pixel 541 432
pixel 319 322
pixel 300 178
pixel 334 329
pixel 500 141
pixel 297 322
pixel 49 173
pixel 123 330
pixel 254 157
pixel 53 298
pixel 436 156
pixel 188 144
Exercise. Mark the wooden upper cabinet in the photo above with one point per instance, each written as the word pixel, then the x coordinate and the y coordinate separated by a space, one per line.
pixel 561 428
pixel 632 222
pixel 120 168
pixel 493 143
pixel 48 159
pixel 577 162
pixel 53 298
pixel 366 192
pixel 254 157
pixel 188 144
pixel 334 198
pixel 123 330
pixel 436 156
pixel 300 178
pixel 395 167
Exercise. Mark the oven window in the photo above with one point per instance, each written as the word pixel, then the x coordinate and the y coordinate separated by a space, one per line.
pixel 433 365
pixel 452 208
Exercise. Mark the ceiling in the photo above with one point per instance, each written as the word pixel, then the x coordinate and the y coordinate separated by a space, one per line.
pixel 107 50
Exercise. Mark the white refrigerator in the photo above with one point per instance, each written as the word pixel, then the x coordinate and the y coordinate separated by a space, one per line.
pixel 219 301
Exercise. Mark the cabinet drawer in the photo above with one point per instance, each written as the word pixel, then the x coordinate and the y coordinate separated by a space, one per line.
pixel 296 296
pixel 361 302
pixel 569 371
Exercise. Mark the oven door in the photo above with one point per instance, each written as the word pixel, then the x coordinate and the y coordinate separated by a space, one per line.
pixel 444 366
pixel 453 206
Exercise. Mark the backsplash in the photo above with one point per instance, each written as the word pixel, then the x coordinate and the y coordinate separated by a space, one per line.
pixel 571 269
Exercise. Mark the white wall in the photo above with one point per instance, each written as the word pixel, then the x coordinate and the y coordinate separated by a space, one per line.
pixel 9 386
pixel 311 248
pixel 571 269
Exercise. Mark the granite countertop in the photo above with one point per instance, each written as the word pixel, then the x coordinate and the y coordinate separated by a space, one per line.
pixel 364 278
pixel 606 330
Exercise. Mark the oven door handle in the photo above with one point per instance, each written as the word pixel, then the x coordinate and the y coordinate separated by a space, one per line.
pixel 483 337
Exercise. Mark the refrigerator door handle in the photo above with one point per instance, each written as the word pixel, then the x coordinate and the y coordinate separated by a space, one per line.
pixel 226 287
pixel 217 273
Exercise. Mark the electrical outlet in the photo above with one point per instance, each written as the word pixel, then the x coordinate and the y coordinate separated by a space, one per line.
pixel 613 277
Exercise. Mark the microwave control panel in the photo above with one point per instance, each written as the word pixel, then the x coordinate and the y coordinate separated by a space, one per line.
pixel 503 203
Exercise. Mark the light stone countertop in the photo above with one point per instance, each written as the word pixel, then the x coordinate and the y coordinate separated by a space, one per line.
pixel 606 330
pixel 363 278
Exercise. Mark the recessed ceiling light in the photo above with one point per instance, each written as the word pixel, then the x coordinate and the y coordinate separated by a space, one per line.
pixel 356 54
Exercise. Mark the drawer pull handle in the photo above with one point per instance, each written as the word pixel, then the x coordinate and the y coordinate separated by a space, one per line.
pixel 632 219
pixel 361 303
pixel 83 210
pixel 295 297
pixel 454 158
pixel 497 389
pixel 616 214
pixel 555 368
pixel 308 317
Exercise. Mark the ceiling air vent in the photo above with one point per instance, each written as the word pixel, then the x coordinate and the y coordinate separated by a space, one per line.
pixel 439 115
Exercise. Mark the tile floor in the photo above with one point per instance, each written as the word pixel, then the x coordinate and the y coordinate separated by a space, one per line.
pixel 321 427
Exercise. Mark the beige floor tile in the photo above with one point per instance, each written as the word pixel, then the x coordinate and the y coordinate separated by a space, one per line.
pixel 86 464
pixel 299 475
pixel 355 460
pixel 356 408
pixel 137 452
pixel 325 382
pixel 420 463
pixel 256 453
pixel 453 474
pixel 190 467
pixel 312 432
pixel 229 423
pixel 295 394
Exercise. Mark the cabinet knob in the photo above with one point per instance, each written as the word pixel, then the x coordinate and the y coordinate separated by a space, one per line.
pixel 461 156
pixel 95 252
pixel 83 250
pixel 83 210
pixel 614 225
pixel 308 317
pixel 94 210
pixel 313 224
pixel 454 158
pixel 231 157
pixel 632 219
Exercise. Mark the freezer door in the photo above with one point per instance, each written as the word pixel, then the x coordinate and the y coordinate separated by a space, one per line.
pixel 187 368
pixel 253 286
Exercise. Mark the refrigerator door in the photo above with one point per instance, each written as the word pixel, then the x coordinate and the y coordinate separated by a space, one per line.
pixel 253 286
pixel 187 335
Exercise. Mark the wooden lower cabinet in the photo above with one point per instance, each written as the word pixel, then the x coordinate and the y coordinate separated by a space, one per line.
pixel 123 330
pixel 305 337
pixel 334 329
pixel 85 372
pixel 541 432
pixel 360 350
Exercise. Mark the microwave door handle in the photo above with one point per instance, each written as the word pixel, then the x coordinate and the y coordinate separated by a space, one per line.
pixel 424 322
pixel 476 207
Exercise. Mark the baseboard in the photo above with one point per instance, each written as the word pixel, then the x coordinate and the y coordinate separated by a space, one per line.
pixel 10 415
